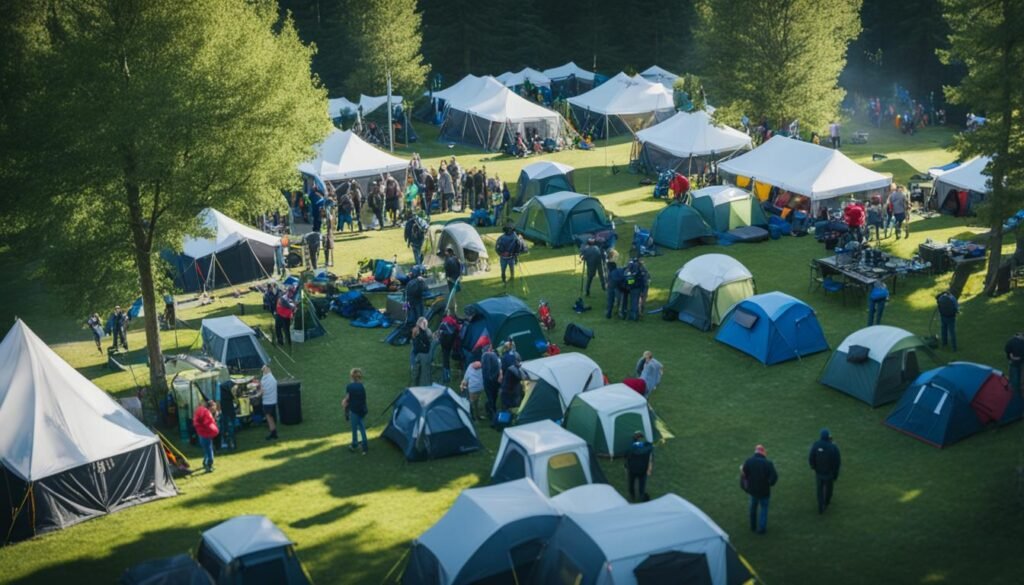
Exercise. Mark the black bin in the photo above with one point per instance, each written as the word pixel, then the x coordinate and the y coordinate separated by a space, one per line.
pixel 289 401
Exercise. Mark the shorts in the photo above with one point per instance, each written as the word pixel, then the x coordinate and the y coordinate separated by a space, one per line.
pixel 475 390
pixel 900 217
pixel 270 410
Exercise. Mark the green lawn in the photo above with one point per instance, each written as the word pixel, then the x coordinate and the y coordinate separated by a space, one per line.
pixel 904 512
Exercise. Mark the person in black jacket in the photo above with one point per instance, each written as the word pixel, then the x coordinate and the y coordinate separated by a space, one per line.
pixel 491 364
pixel 616 288
pixel 415 291
pixel 825 461
pixel 508 248
pixel 227 415
pixel 760 475
pixel 354 405
pixel 948 308
pixel 452 268
pixel 639 465
pixel 593 259
pixel 422 353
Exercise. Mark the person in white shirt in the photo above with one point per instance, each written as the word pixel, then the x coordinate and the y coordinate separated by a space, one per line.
pixel 473 382
pixel 268 390
pixel 833 132
pixel 649 370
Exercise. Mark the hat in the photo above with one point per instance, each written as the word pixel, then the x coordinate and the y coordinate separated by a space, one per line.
pixel 638 434
pixel 825 435
pixel 760 450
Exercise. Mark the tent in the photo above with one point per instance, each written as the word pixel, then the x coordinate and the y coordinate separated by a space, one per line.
pixel 773 327
pixel 667 540
pixel 705 288
pixel 569 80
pixel 481 111
pixel 686 141
pixel 536 78
pixel 344 156
pixel 875 364
pixel 68 451
pixel 557 219
pixel 429 422
pixel 607 418
pixel 501 318
pixel 680 226
pixel 340 108
pixel 542 178
pixel 656 74
pixel 620 105
pixel 490 534
pixel 552 382
pixel 806 169
pixel 961 188
pixel 955 401
pixel 591 497
pixel 177 570
pixel 726 208
pixel 464 240
pixel 233 343
pixel 235 253
pixel 555 459
pixel 250 550
pixel 305 324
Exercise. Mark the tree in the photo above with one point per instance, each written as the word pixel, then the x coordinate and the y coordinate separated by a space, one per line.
pixel 134 115
pixel 779 59
pixel 988 38
pixel 387 37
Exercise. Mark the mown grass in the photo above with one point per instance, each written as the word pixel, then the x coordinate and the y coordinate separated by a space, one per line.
pixel 904 512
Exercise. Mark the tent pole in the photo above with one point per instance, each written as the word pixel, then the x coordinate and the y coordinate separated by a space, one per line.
pixel 391 128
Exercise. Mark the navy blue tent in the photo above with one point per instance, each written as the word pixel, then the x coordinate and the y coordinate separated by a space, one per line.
pixel 773 327
pixel 502 318
pixel 429 422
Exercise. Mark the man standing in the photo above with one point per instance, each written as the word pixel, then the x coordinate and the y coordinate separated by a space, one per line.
pixel 376 202
pixel 455 172
pixel 593 258
pixel 227 415
pixel 637 279
pixel 268 390
pixel 825 461
pixel 948 308
pixel 452 268
pixel 119 327
pixel 898 203
pixel 204 421
pixel 446 187
pixel 354 405
pixel 877 298
pixel 1015 354
pixel 96 328
pixel 833 132
pixel 508 248
pixel 391 198
pixel 491 366
pixel 649 370
pixel 616 285
pixel 639 466
pixel 510 357
pixel 283 312
pixel 313 246
pixel 355 193
pixel 760 475
pixel 415 290
pixel 415 233
pixel 854 217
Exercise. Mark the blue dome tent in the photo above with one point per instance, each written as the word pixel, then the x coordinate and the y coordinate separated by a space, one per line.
pixel 773 327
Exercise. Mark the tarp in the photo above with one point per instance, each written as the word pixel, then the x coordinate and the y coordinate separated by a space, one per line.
pixel 227 233
pixel 805 168
pixel 967 176
pixel 660 75
pixel 568 70
pixel 625 95
pixel 344 155
pixel 518 78
pixel 244 535
pixel 689 134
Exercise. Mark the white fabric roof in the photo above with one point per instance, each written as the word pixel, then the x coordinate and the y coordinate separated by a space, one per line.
pixel 805 168
pixel 624 95
pixel 968 176
pixel 543 169
pixel 226 234
pixel 693 134
pixel 570 373
pixel 244 535
pixel 879 339
pixel 467 237
pixel 468 85
pixel 52 418
pixel 343 155
pixel 371 103
pixel 592 497
pixel 613 398
pixel 570 68
pixel 520 77
pixel 476 515
pixel 659 75
pixel 487 98
pixel 336 106
pixel 720 194
pixel 227 327
pixel 710 271
pixel 543 437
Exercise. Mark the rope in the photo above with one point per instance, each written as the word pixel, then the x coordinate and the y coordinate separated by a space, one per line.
pixel 17 512
pixel 395 566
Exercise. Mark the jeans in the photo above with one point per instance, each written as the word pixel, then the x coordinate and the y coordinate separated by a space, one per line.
pixel 282 330
pixel 279 259
pixel 1014 373
pixel 875 309
pixel 510 264
pixel 949 331
pixel 417 253
pixel 759 523
pixel 613 298
pixel 899 218
pixel 640 481
pixel 635 297
pixel 207 446
pixel 824 489
pixel 358 429
pixel 491 388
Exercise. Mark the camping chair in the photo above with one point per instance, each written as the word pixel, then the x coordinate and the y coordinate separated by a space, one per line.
pixel 816 278
pixel 831 285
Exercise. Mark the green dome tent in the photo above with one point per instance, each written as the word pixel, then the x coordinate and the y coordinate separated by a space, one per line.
pixel 726 208
pixel 706 287
pixel 501 318
pixel 607 417
pixel 557 218
pixel 679 226
pixel 875 364
pixel 541 178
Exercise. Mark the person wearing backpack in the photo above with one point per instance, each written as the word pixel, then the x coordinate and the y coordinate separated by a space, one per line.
pixel 877 298
pixel 376 202
pixel 508 248
pixel 283 312
pixel 639 466
pixel 616 286
pixel 452 269
pixel 415 290
pixel 637 279
pixel 824 459
pixel 948 308
pixel 415 234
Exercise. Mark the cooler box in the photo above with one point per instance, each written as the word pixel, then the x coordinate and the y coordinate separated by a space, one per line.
pixel 395 308
pixel 289 401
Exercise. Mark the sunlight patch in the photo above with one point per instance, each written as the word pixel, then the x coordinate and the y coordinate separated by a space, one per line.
pixel 909 496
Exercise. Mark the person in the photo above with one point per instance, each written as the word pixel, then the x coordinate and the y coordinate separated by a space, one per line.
pixel 833 133
pixel 447 337
pixel 875 219
pixel 479 182
pixel 639 466
pixel 649 370
pixel 391 198
pixel 422 343
pixel 511 387
pixel 446 187
pixel 853 215
pixel 429 187
pixel 355 193
pixel 616 286
pixel 593 258
pixel 877 298
pixel 948 308
pixel 227 415
pixel 510 357
pixel 1014 349
pixel 95 326
pixel 898 202
pixel 354 405
pixel 283 313
pixel 473 383
pixel 825 461
pixel 679 185
pixel 637 279
pixel 268 392
pixel 346 207
pixel 760 475
pixel 119 327
pixel 412 192
pixel 455 172
pixel 376 203
pixel 452 268
pixel 508 248
pixel 328 240
pixel 492 378
pixel 206 429
pixel 415 233
pixel 313 245
pixel 415 291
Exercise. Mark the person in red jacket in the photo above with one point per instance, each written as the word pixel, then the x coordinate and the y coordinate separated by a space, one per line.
pixel 854 216
pixel 205 422
pixel 679 185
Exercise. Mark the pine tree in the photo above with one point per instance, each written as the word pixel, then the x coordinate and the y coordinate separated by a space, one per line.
pixel 387 38
pixel 988 38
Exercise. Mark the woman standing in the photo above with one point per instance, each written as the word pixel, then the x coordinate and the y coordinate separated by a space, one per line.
pixel 205 423
pixel 355 407
pixel 422 344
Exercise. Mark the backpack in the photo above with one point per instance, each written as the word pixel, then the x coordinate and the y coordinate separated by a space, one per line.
pixel 416 230
pixel 947 305
pixel 578 336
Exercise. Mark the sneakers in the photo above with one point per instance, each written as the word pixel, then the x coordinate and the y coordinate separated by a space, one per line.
pixel 353 448
pixel 272 436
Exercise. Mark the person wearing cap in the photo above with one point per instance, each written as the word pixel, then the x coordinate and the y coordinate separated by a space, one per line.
pixel 452 268
pixel 1014 349
pixel 227 415
pixel 639 466
pixel 760 475
pixel 593 258
pixel 824 459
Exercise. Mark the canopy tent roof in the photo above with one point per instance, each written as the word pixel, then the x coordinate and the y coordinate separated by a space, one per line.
pixel 566 372
pixel 806 169
pixel 659 75
pixel 244 535
pixel 613 398
pixel 588 498
pixel 344 155
pixel 543 169
pixel 624 95
pixel 487 98
pixel 52 418
pixel 880 340
pixel 544 437
pixel 526 74
pixel 967 176
pixel 693 134
pixel 710 271
pixel 335 107
pixel 568 70
pixel 227 327
pixel 226 234
pixel 720 194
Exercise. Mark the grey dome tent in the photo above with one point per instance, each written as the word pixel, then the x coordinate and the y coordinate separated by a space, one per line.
pixel 464 240
pixel 490 534
pixel 429 422
pixel 542 178
pixel 555 459
pixel 551 383
pixel 557 219
pixel 250 550
pixel 502 318
pixel 177 570
pixel 680 226
pixel 706 287
pixel 875 364
pixel 591 497
pixel 726 208
pixel 233 343
pixel 68 451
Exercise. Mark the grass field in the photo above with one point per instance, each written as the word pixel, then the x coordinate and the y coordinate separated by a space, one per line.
pixel 904 512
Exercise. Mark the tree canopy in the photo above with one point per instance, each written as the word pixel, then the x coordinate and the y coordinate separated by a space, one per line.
pixel 387 38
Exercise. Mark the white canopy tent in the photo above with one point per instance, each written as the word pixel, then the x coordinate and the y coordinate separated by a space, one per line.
pixel 622 104
pixel 968 176
pixel 660 75
pixel 227 233
pixel 570 69
pixel 518 78
pixel 368 104
pixel 232 254
pixel 344 156
pixel 686 136
pixel 336 107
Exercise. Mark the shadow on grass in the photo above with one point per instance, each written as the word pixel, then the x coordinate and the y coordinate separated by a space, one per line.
pixel 328 516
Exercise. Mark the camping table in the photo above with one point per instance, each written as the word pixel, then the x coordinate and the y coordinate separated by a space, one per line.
pixel 859 277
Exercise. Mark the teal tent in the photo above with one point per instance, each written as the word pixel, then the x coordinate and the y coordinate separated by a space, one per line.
pixel 726 208
pixel 556 219
pixel 679 226
pixel 876 363
pixel 502 318
pixel 541 178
